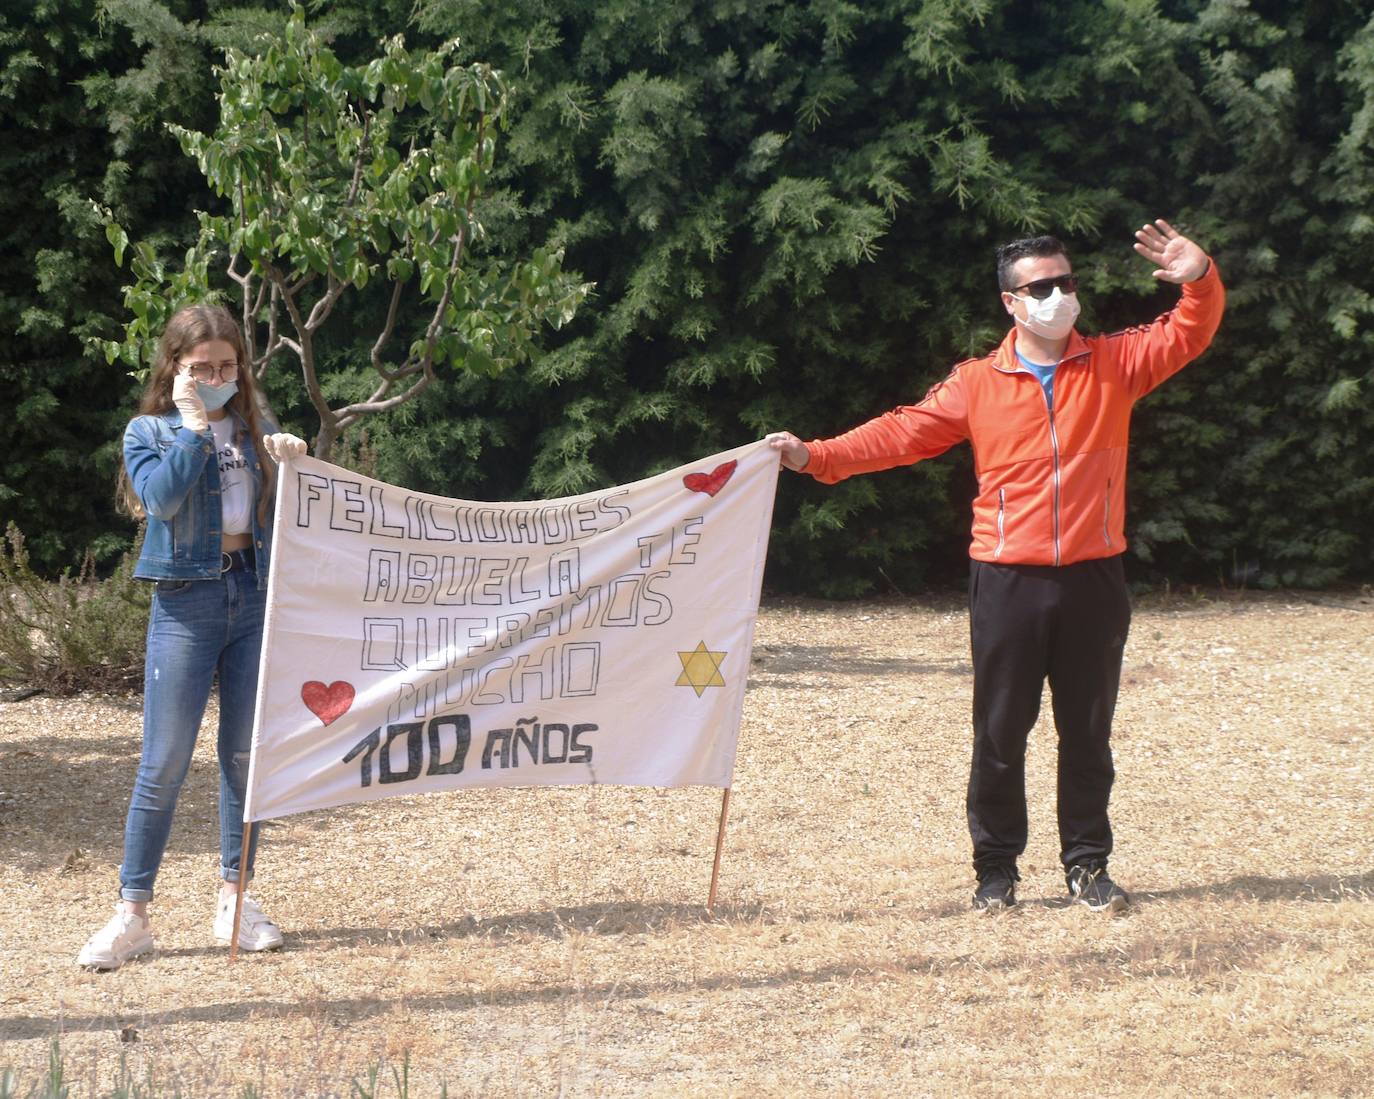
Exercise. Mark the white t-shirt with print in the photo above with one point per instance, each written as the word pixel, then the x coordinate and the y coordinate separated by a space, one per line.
pixel 235 485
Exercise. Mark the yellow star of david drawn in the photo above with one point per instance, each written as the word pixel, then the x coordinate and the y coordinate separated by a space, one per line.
pixel 700 669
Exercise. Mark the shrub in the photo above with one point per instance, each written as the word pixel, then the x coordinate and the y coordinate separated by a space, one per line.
pixel 75 633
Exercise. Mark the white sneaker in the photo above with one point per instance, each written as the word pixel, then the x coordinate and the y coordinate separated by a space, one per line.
pixel 256 931
pixel 125 936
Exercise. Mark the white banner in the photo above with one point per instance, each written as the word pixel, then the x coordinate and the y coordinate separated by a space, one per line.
pixel 416 643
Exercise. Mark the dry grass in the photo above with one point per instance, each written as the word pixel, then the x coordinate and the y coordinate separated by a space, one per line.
pixel 554 941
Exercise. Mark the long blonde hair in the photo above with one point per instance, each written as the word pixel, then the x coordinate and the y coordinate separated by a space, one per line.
pixel 193 325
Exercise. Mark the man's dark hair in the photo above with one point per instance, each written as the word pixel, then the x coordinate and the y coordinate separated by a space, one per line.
pixel 1025 248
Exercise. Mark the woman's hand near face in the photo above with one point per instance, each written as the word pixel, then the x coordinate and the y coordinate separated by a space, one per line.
pixel 186 397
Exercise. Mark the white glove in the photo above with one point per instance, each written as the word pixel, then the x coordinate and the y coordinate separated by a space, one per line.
pixel 282 446
pixel 186 397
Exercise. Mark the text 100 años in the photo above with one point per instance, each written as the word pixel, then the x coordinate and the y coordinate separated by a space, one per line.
pixel 440 747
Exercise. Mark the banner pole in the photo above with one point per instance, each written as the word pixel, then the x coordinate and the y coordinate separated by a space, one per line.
pixel 720 842
pixel 238 897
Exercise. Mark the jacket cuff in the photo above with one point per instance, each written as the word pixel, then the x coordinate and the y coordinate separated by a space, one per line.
pixel 817 464
pixel 1206 281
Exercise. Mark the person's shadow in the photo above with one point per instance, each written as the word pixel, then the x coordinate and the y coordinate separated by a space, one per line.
pixel 1322 888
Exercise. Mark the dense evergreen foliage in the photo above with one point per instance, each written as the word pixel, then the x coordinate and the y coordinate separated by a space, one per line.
pixel 789 212
pixel 338 177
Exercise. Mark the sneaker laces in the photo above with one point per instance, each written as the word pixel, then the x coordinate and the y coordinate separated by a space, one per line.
pixel 253 916
pixel 119 924
pixel 1092 876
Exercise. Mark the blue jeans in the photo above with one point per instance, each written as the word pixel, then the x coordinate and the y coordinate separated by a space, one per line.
pixel 196 628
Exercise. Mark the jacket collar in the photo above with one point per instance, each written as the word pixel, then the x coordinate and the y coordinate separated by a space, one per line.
pixel 1004 358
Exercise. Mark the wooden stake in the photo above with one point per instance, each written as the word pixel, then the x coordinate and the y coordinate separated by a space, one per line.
pixel 720 842
pixel 238 898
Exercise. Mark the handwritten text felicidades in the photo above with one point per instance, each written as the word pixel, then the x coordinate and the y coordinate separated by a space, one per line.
pixel 456 610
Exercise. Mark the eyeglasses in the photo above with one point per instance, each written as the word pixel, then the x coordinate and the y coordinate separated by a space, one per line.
pixel 226 371
pixel 1041 289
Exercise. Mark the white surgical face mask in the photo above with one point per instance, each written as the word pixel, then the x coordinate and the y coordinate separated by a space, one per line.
pixel 216 396
pixel 1050 317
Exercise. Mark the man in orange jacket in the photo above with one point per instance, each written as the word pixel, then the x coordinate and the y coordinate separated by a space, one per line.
pixel 1048 414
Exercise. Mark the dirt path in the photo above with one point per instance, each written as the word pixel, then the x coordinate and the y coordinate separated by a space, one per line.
pixel 553 941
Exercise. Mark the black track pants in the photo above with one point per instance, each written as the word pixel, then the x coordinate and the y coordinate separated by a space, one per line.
pixel 1029 622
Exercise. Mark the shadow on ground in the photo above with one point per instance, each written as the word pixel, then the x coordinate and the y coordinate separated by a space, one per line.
pixel 1323 888
pixel 1101 963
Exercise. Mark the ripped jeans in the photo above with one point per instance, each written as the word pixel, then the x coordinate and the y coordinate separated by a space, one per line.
pixel 196 628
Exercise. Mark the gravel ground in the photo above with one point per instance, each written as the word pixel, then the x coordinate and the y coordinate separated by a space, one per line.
pixel 554 941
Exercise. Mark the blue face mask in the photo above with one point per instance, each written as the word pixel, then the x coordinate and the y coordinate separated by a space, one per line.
pixel 216 396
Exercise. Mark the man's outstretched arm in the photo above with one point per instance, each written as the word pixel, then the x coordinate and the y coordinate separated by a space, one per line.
pixel 901 437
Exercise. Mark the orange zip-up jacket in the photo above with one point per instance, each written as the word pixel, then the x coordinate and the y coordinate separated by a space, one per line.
pixel 1051 485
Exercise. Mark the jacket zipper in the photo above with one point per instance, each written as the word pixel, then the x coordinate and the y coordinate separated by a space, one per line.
pixel 1054 442
pixel 1107 515
pixel 1001 522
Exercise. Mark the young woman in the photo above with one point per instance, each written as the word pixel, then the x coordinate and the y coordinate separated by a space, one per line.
pixel 191 467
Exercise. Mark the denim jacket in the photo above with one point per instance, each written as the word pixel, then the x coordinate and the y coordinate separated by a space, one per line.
pixel 174 474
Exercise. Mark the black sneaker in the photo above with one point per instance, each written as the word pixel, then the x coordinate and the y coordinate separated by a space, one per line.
pixel 996 888
pixel 1090 885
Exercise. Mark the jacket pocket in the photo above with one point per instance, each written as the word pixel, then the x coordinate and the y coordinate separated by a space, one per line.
pixel 1107 515
pixel 1001 523
pixel 186 531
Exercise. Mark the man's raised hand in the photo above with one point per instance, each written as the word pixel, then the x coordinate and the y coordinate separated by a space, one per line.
pixel 1178 259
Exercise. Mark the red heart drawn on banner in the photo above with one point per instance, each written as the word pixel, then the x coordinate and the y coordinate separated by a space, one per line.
pixel 713 482
pixel 327 703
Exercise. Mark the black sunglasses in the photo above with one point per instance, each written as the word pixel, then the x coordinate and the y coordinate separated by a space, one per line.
pixel 1041 289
